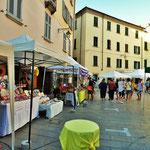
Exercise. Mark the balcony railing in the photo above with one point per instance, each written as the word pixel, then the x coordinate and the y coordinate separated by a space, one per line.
pixel 51 5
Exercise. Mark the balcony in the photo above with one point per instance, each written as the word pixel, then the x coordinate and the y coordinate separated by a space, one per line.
pixel 51 5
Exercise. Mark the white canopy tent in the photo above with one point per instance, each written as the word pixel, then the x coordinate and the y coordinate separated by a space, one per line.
pixel 7 51
pixel 140 73
pixel 30 53
pixel 114 74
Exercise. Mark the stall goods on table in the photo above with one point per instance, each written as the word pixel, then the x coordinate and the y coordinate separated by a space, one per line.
pixel 53 107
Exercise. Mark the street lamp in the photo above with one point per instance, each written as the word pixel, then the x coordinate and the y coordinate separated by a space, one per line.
pixel 67 33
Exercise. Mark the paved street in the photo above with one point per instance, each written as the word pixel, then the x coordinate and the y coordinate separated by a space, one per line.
pixel 112 117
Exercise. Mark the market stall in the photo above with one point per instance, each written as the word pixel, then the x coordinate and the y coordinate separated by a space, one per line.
pixel 114 75
pixel 79 71
pixel 30 53
pixel 7 52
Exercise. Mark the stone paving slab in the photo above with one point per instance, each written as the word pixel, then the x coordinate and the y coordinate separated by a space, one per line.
pixel 130 115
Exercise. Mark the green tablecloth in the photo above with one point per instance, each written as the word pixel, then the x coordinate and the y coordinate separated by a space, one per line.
pixel 80 135
pixel 82 95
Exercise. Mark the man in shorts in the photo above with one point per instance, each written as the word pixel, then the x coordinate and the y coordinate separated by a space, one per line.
pixel 121 90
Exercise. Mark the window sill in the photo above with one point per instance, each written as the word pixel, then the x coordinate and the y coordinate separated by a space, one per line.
pixel 108 30
pixel 126 52
pixel 95 26
pixel 108 48
pixel 117 33
pixel 95 46
pixel 118 51
pixel 47 40
pixel 126 35
pixel 95 66
pixel 13 18
pixel 146 49
pixel 108 66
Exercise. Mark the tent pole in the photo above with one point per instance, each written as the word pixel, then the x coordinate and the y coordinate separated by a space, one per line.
pixel 74 90
pixel 31 100
pixel 44 79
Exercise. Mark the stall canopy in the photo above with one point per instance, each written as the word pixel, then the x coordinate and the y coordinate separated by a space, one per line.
pixel 82 70
pixel 140 73
pixel 24 46
pixel 7 51
pixel 114 74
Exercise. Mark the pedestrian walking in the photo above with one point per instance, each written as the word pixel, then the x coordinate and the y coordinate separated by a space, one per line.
pixel 112 87
pixel 128 89
pixel 117 97
pixel 139 89
pixel 91 88
pixel 103 89
pixel 121 90
pixel 133 88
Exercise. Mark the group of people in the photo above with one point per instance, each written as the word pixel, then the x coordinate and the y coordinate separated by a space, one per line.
pixel 124 89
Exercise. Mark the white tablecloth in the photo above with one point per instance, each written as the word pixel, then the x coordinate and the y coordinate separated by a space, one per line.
pixel 52 109
pixel 22 111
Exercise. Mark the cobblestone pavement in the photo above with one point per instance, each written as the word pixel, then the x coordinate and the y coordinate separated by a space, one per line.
pixel 111 116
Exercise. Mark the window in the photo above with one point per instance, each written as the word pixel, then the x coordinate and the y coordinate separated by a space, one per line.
pixel 64 42
pixel 108 25
pixel 75 43
pixel 108 44
pixel 145 63
pixel 47 34
pixel 126 48
pixel 108 62
pixel 118 28
pixel 75 24
pixel 95 21
pixel 145 46
pixel 118 46
pixel 119 63
pixel 71 1
pixel 126 31
pixel 66 15
pixel 126 64
pixel 136 65
pixel 136 50
pixel 95 41
pixel 95 61
pixel 14 8
pixel 136 34
pixel 69 46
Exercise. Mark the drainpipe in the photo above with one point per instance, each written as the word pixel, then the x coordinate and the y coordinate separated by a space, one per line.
pixel 81 38
pixel 102 43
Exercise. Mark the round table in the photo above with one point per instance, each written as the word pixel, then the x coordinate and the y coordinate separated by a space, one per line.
pixel 80 135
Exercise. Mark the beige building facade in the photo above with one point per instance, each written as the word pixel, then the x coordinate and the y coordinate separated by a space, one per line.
pixel 45 21
pixel 104 43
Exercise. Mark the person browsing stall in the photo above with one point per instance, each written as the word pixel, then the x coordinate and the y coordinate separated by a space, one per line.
pixel 26 81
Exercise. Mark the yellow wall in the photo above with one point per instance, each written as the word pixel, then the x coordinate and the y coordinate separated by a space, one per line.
pixel 33 15
pixel 88 50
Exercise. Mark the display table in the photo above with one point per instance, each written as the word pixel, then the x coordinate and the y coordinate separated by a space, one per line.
pixel 80 134
pixel 22 111
pixel 52 109
pixel 82 95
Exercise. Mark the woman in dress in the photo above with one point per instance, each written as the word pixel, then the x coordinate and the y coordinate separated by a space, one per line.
pixel 103 89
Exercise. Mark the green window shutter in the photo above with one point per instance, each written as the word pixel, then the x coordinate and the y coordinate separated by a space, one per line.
pixel 68 16
pixel 72 24
pixel 63 7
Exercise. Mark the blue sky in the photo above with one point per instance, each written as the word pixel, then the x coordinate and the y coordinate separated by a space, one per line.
pixel 133 11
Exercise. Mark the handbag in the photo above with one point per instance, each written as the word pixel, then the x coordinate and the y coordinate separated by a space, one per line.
pixel 89 88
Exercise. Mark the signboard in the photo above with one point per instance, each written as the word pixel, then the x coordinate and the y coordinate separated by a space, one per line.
pixel 147 69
